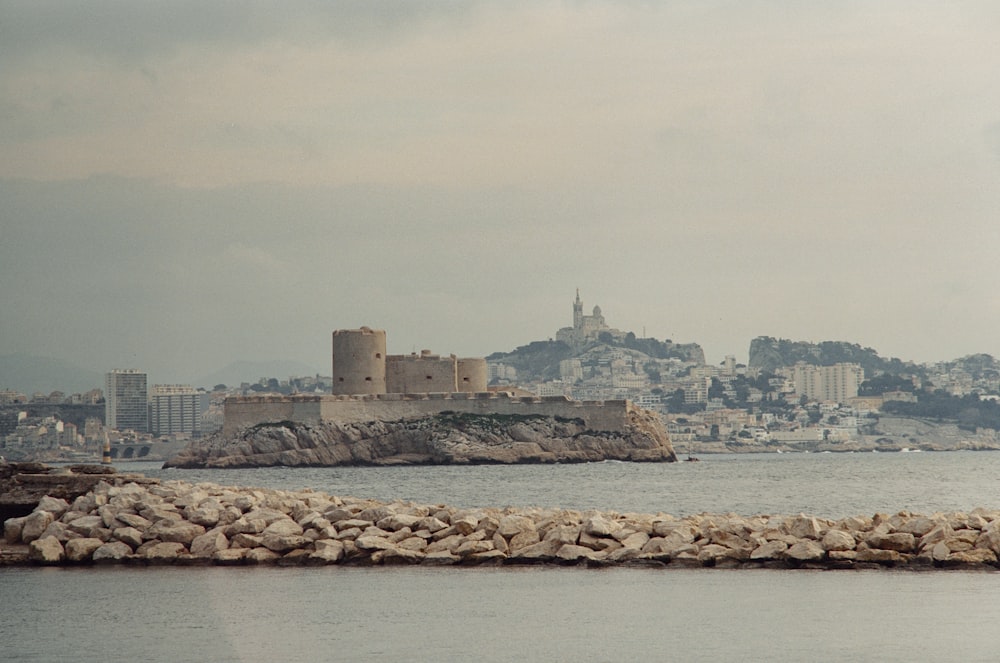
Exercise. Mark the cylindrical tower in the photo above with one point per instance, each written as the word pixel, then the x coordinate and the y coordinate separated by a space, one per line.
pixel 359 361
pixel 471 374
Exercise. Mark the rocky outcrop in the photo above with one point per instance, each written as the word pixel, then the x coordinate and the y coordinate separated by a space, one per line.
pixel 162 524
pixel 23 485
pixel 443 439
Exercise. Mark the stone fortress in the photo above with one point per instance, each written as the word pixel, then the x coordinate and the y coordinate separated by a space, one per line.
pixel 369 385
pixel 361 366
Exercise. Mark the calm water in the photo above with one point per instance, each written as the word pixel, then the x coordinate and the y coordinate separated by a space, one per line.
pixel 830 485
pixel 543 614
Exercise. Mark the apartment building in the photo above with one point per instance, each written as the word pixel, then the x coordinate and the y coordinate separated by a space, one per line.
pixel 125 400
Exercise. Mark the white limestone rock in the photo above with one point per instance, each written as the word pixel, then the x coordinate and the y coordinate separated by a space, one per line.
pixel 565 534
pixel 12 529
pixel 34 524
pixel 473 547
pixel 836 539
pixel 770 550
pixel 512 525
pixel 878 556
pixel 209 543
pixel 164 552
pixel 328 552
pixel 86 525
pixel 899 541
pixel 599 526
pixel 805 550
pixel 81 550
pixel 174 531
pixel 440 558
pixel 261 556
pixel 805 527
pixel 284 543
pixel 46 551
pixel 574 553
pixel 113 551
pixel 61 531
pixel 128 535
pixel 541 551
pixel 133 520
pixel 54 505
pixel 283 527
pixel 636 540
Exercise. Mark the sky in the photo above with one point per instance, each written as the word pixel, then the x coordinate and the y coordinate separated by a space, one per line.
pixel 187 184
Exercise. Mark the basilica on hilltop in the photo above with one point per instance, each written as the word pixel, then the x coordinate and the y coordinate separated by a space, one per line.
pixel 586 328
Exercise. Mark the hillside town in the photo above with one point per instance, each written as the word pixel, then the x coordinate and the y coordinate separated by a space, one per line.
pixel 770 404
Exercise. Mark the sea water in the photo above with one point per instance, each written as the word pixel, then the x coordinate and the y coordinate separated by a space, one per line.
pixel 543 613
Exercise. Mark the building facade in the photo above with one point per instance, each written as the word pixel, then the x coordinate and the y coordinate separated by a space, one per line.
pixel 175 408
pixel 126 405
pixel 837 383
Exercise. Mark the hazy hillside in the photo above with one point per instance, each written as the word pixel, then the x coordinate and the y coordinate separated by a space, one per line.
pixel 251 371
pixel 769 354
pixel 539 360
pixel 29 374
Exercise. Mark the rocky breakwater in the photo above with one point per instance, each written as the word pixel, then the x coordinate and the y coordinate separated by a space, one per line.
pixel 446 438
pixel 180 523
pixel 22 485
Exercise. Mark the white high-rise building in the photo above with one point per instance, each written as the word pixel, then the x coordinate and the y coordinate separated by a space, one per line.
pixel 175 408
pixel 827 383
pixel 125 402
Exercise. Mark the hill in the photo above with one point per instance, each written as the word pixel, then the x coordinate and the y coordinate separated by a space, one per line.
pixel 769 354
pixel 539 360
pixel 29 374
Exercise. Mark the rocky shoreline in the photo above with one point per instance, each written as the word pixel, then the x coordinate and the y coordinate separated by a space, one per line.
pixel 175 522
pixel 448 438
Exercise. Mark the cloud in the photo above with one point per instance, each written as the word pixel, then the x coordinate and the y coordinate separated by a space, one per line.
pixel 238 180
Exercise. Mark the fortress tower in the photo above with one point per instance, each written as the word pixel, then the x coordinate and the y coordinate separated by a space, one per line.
pixel 471 374
pixel 359 361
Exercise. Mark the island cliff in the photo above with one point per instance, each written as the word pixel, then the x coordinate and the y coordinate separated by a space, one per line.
pixel 443 438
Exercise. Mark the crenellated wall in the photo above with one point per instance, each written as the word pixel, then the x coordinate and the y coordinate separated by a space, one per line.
pixel 244 411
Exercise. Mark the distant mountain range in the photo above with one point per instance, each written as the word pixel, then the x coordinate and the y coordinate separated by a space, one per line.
pixel 239 372
pixel 29 374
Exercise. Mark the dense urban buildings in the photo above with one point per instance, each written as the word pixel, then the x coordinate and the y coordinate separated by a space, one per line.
pixel 126 404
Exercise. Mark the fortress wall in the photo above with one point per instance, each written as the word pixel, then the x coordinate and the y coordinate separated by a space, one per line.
pixel 247 411
pixel 406 374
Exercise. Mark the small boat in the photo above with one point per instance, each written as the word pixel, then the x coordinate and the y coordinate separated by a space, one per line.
pixel 692 459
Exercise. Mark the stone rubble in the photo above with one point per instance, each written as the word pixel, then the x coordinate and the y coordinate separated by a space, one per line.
pixel 175 522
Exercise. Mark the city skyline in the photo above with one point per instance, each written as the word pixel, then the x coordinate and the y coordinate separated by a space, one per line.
pixel 187 186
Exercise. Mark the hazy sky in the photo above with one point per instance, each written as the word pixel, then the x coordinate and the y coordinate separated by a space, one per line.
pixel 184 184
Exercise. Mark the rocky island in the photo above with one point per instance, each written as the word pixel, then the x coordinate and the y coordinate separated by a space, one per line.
pixel 444 438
